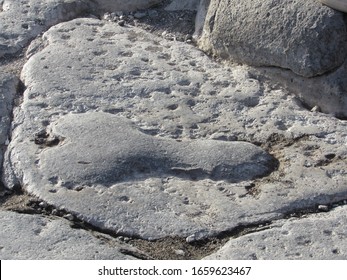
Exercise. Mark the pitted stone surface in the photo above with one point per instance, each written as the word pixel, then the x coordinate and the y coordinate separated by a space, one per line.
pixel 167 90
pixel 99 148
pixel 320 236
pixel 32 237
pixel 22 20
pixel 306 37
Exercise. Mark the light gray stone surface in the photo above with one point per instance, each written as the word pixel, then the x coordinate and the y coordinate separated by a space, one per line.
pixel 321 237
pixel 168 90
pixel 303 36
pixel 24 236
pixel 8 89
pixel 22 20
pixel 78 161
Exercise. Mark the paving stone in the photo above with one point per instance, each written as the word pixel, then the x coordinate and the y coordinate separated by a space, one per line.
pixel 77 162
pixel 307 38
pixel 172 93
pixel 21 21
pixel 319 237
pixel 24 236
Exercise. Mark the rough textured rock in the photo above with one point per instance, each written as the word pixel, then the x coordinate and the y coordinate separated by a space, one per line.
pixel 167 90
pixel 8 89
pixel 75 162
pixel 32 237
pixel 23 20
pixel 320 236
pixel 305 37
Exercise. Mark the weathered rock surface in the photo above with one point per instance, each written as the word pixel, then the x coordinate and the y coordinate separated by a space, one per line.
pixel 21 21
pixel 305 37
pixel 78 161
pixel 25 236
pixel 8 89
pixel 321 236
pixel 168 90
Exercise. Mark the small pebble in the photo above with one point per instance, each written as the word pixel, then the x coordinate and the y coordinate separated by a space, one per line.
pixel 55 212
pixel 315 109
pixel 43 204
pixel 68 217
pixel 121 22
pixel 180 253
pixel 323 208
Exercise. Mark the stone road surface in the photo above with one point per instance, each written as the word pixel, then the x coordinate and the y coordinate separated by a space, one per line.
pixel 114 139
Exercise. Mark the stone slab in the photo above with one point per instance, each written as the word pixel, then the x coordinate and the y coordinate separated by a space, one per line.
pixel 167 90
pixel 32 237
pixel 21 21
pixel 317 237
pixel 305 37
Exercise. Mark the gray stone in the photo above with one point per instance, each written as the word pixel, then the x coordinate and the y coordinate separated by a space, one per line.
pixel 8 89
pixel 320 236
pixel 175 94
pixel 305 37
pixel 76 162
pixel 32 237
pixel 23 20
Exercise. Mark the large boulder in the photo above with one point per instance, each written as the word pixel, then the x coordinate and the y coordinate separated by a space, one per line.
pixel 304 36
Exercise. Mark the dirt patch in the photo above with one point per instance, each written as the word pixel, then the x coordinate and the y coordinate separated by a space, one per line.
pixel 171 25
